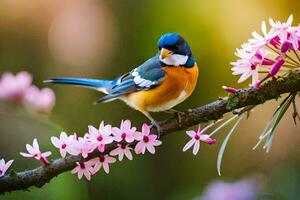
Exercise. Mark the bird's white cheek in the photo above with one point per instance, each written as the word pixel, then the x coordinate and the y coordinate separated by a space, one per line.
pixel 175 60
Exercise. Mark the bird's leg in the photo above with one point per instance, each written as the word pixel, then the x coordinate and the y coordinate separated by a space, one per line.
pixel 153 122
pixel 177 113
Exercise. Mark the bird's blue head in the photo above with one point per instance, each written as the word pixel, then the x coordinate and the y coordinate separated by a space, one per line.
pixel 174 50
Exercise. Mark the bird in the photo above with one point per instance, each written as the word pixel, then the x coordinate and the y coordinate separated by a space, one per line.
pixel 159 84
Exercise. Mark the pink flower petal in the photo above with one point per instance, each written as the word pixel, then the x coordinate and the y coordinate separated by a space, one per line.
pixel 25 154
pixel 188 145
pixel 145 129
pixel 196 147
pixel 150 148
pixel 36 145
pixel 138 136
pixel 115 152
pixel 191 133
pixel 46 154
pixel 8 164
pixel 92 130
pixel 87 174
pixel 129 138
pixel 106 167
pixel 128 154
pixel 55 141
pixel 109 159
pixel 63 152
pixel 140 148
pixel 156 143
pixel 80 174
pixel 75 170
pixel 152 137
pixel 30 149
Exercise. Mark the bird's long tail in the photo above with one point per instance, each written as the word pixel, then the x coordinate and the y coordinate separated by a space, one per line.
pixel 96 84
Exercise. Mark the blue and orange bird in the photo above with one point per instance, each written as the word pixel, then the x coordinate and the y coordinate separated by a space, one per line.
pixel 159 84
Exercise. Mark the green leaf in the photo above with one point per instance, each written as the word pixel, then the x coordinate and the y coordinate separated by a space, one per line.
pixel 277 118
pixel 223 146
pixel 268 128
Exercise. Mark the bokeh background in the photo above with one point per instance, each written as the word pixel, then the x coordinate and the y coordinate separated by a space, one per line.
pixel 103 39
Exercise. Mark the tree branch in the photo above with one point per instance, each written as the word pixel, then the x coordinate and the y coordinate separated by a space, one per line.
pixel 212 111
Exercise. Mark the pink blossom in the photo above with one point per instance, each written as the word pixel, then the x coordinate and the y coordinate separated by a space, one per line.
pixel 121 150
pixel 4 166
pixel 100 137
pixel 248 64
pixel 41 100
pixel 85 168
pixel 64 143
pixel 258 54
pixel 198 136
pixel 246 70
pixel 34 152
pixel 146 141
pixel 125 132
pixel 82 146
pixel 14 87
pixel 104 161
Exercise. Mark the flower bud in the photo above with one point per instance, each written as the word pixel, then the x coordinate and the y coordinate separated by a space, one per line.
pixel 230 89
pixel 286 46
pixel 276 66
pixel 267 61
pixel 275 41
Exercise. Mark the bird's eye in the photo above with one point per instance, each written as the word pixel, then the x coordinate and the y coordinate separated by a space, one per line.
pixel 176 48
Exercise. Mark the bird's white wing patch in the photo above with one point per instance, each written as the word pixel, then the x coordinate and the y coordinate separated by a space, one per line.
pixel 138 80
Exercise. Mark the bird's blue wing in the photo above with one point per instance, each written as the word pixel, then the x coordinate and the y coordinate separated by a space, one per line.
pixel 145 77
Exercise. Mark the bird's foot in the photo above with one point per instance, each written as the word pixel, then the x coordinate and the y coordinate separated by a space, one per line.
pixel 178 114
pixel 157 127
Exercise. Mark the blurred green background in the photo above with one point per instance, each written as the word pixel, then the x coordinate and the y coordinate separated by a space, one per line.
pixel 107 38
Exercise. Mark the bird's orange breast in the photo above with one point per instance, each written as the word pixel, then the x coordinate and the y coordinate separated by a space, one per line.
pixel 178 84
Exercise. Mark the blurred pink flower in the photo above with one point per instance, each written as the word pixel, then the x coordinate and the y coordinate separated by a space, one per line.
pixel 34 152
pixel 197 137
pixel 85 169
pixel 41 100
pixel 241 190
pixel 121 150
pixel 14 87
pixel 146 141
pixel 4 166
pixel 125 132
pixel 64 143
pixel 102 161
pixel 100 137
